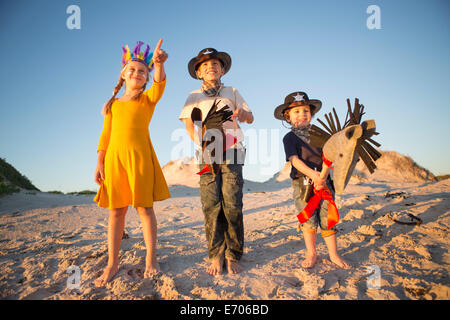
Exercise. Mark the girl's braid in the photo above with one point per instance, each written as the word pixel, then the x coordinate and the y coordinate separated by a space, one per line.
pixel 107 107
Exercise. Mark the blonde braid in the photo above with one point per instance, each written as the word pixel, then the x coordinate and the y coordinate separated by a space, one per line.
pixel 143 89
pixel 107 107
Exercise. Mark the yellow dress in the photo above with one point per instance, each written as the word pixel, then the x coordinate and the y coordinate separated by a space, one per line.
pixel 133 175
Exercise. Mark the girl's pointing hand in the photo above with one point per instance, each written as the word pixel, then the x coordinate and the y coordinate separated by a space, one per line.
pixel 159 55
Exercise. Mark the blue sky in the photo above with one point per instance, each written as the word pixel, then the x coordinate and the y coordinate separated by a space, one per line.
pixel 55 80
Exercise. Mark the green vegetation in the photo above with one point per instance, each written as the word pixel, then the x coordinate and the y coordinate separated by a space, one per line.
pixel 74 193
pixel 84 192
pixel 12 180
pixel 7 188
pixel 55 192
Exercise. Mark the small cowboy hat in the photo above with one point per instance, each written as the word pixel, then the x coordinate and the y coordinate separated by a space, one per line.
pixel 296 99
pixel 208 54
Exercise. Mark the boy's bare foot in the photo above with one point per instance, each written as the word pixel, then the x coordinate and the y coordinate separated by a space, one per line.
pixel 107 275
pixel 309 261
pixel 341 263
pixel 151 267
pixel 233 266
pixel 215 268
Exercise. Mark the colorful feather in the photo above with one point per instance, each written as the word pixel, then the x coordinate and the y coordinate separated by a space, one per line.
pixel 147 51
pixel 137 48
pixel 144 57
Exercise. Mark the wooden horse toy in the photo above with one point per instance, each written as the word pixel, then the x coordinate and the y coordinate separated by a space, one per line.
pixel 343 146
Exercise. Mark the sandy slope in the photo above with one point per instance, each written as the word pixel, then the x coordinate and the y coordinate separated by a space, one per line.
pixel 43 235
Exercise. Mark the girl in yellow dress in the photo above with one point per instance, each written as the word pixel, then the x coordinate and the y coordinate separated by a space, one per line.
pixel 128 170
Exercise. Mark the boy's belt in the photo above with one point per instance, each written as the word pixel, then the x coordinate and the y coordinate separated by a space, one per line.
pixel 214 167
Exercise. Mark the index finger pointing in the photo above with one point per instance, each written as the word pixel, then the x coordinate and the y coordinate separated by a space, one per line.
pixel 158 46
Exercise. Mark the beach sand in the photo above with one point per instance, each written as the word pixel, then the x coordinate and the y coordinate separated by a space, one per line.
pixel 47 240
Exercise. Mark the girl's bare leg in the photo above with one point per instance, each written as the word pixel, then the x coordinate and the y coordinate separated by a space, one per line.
pixel 149 229
pixel 116 225
pixel 311 253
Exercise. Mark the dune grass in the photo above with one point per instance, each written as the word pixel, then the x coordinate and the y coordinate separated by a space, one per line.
pixel 12 180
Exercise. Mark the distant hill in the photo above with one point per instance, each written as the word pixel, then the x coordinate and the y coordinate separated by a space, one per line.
pixel 182 172
pixel 393 166
pixel 12 180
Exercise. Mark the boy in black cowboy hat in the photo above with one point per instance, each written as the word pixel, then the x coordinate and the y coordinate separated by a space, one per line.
pixel 221 182
pixel 306 161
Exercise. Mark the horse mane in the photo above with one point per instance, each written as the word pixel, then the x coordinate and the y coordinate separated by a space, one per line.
pixel 364 147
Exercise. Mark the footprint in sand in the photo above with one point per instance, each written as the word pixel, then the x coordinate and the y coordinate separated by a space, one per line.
pixel 168 208
pixel 290 280
pixel 101 225
pixel 178 217
pixel 73 210
pixel 69 235
pixel 135 274
pixel 181 216
pixel 14 214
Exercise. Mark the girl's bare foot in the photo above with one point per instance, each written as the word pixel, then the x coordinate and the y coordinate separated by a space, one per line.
pixel 215 268
pixel 309 261
pixel 341 263
pixel 151 267
pixel 233 267
pixel 107 275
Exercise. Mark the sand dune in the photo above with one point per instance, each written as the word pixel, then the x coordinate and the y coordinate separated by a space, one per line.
pixel 44 235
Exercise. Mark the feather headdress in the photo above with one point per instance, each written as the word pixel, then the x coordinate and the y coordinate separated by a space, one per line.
pixel 136 55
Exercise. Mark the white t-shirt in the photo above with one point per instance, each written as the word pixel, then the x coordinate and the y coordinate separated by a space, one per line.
pixel 227 96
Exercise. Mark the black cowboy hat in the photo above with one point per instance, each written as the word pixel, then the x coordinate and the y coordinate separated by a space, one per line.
pixel 297 96
pixel 208 54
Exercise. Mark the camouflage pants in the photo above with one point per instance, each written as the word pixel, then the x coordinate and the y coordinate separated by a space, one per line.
pixel 320 215
pixel 221 198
